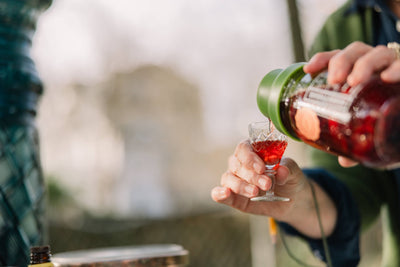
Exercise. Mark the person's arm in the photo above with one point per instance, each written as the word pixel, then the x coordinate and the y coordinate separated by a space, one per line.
pixel 343 242
pixel 304 216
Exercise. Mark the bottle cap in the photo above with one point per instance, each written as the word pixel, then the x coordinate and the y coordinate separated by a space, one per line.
pixel 270 93
pixel 40 249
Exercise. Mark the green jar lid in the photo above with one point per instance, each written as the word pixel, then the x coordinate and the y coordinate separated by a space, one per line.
pixel 270 93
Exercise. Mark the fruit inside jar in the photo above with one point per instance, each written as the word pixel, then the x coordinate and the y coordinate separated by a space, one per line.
pixel 360 123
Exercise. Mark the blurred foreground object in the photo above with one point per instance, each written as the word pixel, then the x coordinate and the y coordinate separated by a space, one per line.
pixel 21 181
pixel 168 255
pixel 41 256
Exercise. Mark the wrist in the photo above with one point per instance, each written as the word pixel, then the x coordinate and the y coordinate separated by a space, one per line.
pixel 304 217
pixel 303 205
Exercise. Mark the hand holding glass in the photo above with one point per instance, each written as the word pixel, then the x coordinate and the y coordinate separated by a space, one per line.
pixel 269 144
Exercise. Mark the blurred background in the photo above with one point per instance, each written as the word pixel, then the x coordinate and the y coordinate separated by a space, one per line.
pixel 144 102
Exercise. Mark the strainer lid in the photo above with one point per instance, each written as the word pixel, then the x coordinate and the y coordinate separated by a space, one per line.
pixel 270 92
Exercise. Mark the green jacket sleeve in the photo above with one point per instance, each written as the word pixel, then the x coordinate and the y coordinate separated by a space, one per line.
pixel 366 185
pixel 342 28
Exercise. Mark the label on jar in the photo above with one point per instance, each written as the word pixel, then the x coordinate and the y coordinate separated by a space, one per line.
pixel 333 102
pixel 307 123
pixel 329 103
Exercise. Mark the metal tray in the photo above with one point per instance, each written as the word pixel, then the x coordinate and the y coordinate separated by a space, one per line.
pixel 160 255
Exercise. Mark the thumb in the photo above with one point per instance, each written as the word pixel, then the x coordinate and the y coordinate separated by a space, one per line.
pixel 288 169
pixel 282 175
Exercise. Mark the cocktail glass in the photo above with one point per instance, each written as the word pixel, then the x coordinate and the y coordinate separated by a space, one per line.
pixel 269 144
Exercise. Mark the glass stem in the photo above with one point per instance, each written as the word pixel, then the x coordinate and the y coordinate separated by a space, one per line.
pixel 271 174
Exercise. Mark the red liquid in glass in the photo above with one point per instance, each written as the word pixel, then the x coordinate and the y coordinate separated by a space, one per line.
pixel 270 151
pixel 371 136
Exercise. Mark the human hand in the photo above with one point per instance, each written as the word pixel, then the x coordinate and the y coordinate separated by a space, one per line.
pixel 356 63
pixel 245 179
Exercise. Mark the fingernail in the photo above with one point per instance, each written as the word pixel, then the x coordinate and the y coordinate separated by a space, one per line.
pixel 250 189
pixel 262 183
pixel 350 79
pixel 221 192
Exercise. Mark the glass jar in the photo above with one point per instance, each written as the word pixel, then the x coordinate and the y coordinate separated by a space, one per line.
pixel 361 122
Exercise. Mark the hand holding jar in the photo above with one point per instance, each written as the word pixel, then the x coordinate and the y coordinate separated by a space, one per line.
pixel 355 64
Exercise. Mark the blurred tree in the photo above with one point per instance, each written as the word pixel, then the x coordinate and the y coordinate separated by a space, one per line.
pixel 295 27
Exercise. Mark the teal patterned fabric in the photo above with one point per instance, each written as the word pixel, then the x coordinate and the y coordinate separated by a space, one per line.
pixel 21 194
pixel 22 191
